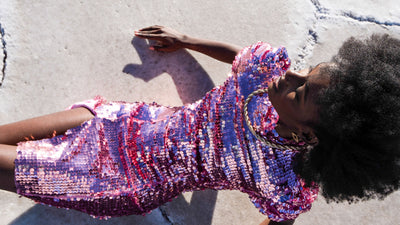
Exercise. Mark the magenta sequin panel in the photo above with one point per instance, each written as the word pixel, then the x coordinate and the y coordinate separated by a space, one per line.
pixel 133 157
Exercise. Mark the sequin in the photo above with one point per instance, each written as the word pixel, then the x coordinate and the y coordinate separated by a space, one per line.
pixel 133 157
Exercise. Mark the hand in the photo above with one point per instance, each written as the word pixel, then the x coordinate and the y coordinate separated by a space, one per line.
pixel 166 39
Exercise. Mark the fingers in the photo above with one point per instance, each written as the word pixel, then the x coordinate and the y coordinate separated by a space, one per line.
pixel 155 27
pixel 152 33
pixel 150 36
pixel 166 39
pixel 158 45
pixel 149 31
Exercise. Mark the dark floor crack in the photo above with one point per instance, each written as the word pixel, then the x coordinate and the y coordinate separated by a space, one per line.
pixel 312 36
pixel 165 215
pixel 320 9
pixel 369 19
pixel 323 13
pixel 3 42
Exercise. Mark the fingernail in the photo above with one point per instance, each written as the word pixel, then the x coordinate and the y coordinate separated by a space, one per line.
pixel 151 48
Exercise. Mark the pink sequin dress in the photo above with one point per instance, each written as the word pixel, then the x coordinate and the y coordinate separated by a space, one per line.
pixel 133 157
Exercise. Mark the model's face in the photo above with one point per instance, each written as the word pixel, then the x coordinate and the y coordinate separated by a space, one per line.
pixel 294 95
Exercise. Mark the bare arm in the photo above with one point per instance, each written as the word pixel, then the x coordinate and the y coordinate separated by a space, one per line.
pixel 168 40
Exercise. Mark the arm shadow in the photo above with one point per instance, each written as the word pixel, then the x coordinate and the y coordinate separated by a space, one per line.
pixel 191 80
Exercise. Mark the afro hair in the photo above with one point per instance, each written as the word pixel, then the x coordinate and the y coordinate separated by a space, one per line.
pixel 357 157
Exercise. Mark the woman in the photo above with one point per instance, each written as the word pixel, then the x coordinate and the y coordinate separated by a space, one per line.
pixel 336 125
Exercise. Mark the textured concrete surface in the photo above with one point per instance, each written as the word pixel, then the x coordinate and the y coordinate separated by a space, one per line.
pixel 54 53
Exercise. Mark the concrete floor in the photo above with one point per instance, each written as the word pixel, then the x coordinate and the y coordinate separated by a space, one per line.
pixel 60 52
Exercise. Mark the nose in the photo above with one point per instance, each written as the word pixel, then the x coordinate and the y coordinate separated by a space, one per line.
pixel 293 77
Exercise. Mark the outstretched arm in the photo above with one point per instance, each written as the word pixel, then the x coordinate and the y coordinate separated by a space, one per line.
pixel 169 40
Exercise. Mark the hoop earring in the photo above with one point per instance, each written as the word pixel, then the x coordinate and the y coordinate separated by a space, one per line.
pixel 295 137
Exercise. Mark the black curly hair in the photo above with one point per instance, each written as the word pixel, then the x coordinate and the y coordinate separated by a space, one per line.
pixel 358 155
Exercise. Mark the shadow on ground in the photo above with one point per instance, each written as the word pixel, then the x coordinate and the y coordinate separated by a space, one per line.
pixel 46 215
pixel 191 80
pixel 199 210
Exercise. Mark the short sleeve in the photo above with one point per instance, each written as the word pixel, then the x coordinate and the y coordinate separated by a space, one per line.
pixel 260 63
pixel 287 206
pixel 261 54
